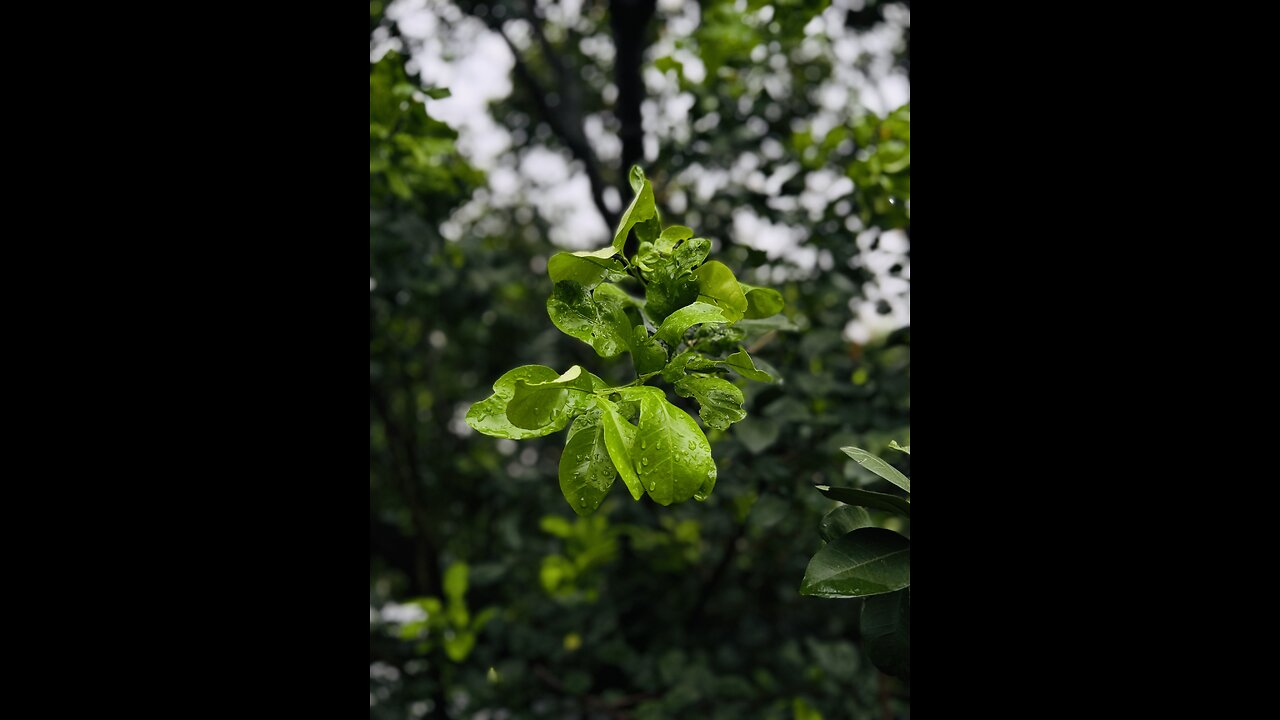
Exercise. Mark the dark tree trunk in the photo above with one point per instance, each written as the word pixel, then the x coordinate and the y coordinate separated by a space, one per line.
pixel 630 20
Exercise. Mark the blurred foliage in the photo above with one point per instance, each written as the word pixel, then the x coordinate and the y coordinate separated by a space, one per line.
pixel 863 560
pixel 637 611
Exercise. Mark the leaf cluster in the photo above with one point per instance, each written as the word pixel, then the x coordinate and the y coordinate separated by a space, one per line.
pixel 680 331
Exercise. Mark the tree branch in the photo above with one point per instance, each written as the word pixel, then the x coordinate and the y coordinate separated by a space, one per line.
pixel 566 126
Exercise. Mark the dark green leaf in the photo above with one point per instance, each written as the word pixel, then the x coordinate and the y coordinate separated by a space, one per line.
pixel 842 520
pixel 720 401
pixel 878 466
pixel 552 402
pixel 762 302
pixel 673 328
pixel 867 561
pixel 640 209
pixel 586 470
pixel 741 363
pixel 663 297
pixel 866 498
pixel 647 231
pixel 649 355
pixel 673 459
pixel 886 631
pixel 490 415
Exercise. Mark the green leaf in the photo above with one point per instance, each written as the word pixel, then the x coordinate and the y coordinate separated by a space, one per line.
pixel 720 401
pixel 458 645
pixel 597 319
pixel 649 355
pixel 585 268
pixel 670 236
pixel 886 631
pixel 718 286
pixel 673 457
pixel 455 580
pixel 842 520
pixel 556 525
pixel 904 448
pixel 690 253
pixel 802 710
pixel 686 360
pixel 489 416
pixel 538 404
pixel 741 363
pixel 619 438
pixel 641 208
pixel 670 282
pixel 673 328
pixel 878 466
pixel 708 485
pixel 663 297
pixel 482 618
pixel 437 93
pixel 762 302
pixel 867 561
pixel 586 470
pixel 647 231
pixel 866 498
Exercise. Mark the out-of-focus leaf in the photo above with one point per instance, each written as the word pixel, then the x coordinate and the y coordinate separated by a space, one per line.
pixel 878 466
pixel 866 498
pixel 842 520
pixel 886 631
pixel 867 561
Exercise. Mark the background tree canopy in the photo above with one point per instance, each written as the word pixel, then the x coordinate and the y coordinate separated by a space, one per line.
pixel 500 133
